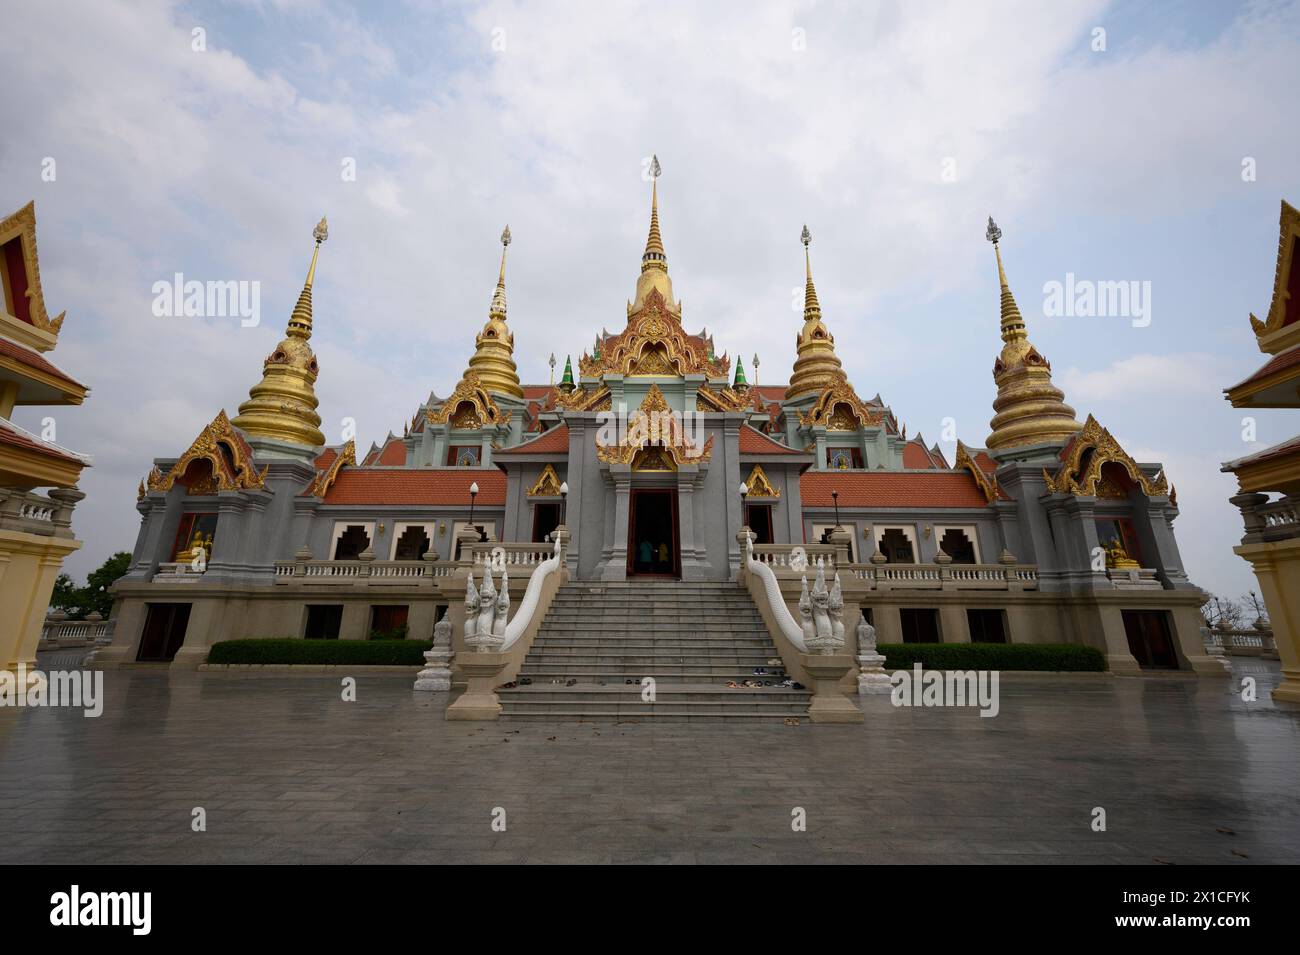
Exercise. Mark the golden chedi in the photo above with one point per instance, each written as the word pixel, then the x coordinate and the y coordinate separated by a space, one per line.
pixel 282 406
pixel 816 365
pixel 1029 409
pixel 654 261
pixel 494 347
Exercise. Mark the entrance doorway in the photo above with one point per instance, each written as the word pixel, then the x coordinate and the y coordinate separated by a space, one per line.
pixel 164 632
pixel 652 545
pixel 1149 639
pixel 758 517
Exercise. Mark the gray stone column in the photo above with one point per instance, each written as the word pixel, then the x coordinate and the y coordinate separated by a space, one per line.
pixel 616 563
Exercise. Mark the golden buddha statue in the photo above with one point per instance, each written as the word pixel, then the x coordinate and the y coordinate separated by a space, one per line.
pixel 198 545
pixel 1118 558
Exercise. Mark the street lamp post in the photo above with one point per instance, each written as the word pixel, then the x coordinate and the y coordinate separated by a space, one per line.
pixel 835 497
pixel 564 502
pixel 473 493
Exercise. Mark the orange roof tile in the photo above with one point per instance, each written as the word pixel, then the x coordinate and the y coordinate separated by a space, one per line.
pixel 753 441
pixel 1277 363
pixel 891 489
pixel 34 359
pixel 16 437
pixel 417 486
pixel 554 441
pixel 393 453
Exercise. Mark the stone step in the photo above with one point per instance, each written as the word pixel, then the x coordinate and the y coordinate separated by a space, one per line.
pixel 715 678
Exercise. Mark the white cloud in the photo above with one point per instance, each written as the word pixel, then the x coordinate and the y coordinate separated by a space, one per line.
pixel 1143 376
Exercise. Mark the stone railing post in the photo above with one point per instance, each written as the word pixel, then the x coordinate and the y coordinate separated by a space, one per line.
pixel 842 541
pixel 1249 505
pixel 436 675
pixel 945 571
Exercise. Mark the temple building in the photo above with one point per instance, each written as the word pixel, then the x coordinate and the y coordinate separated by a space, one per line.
pixel 650 458
pixel 35 529
pixel 1272 539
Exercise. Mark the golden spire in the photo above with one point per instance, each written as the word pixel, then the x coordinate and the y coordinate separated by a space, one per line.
pixel 494 347
pixel 817 365
pixel 282 405
pixel 1028 409
pixel 654 261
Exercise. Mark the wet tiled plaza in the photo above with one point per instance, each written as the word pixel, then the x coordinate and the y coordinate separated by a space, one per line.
pixel 286 771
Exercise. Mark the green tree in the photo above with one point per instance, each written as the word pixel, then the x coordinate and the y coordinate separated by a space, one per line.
pixel 77 602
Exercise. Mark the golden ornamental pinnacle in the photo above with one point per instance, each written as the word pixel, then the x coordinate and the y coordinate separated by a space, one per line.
pixel 321 232
pixel 806 237
pixel 505 236
pixel 993 233
pixel 655 170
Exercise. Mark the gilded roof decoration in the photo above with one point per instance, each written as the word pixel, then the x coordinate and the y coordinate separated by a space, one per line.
pixel 580 399
pixel 759 485
pixel 726 399
pixel 547 484
pixel 225 450
pixel 654 343
pixel 654 425
pixel 23 224
pixel 1288 237
pixel 988 483
pixel 1085 456
pixel 838 408
pixel 470 406
pixel 325 477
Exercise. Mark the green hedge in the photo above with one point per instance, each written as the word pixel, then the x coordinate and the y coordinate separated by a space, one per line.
pixel 993 656
pixel 329 652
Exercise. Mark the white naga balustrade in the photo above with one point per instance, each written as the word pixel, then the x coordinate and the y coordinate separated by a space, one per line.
pixel 487 608
pixel 789 627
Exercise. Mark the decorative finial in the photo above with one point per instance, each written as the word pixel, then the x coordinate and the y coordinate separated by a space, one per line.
pixel 321 232
pixel 505 235
pixel 806 238
pixel 655 170
pixel 993 233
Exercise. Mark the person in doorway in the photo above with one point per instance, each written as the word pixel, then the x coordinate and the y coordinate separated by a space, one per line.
pixel 644 553
pixel 663 555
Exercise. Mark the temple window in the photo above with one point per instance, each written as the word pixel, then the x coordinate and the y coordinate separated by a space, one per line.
pixel 350 540
pixel 411 541
pixel 196 531
pixel 959 543
pixel 1118 538
pixel 388 621
pixel 821 535
pixel 919 624
pixel 323 621
pixel 897 544
pixel 463 455
pixel 842 459
pixel 986 625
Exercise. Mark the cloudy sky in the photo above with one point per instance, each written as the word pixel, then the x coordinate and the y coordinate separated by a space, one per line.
pixel 892 129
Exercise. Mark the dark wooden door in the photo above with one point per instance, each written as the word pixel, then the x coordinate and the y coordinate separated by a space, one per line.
pixel 164 632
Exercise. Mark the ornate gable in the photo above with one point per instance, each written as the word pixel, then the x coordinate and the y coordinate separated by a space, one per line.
pixel 21 225
pixel 469 407
pixel 1084 457
pixel 547 485
pixel 229 459
pixel 654 344
pixel 654 426
pixel 759 485
pixel 1283 310
pixel 838 408
pixel 325 477
pixel 988 483
pixel 725 399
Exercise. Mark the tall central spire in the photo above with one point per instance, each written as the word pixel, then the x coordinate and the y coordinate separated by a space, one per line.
pixel 817 365
pixel 494 347
pixel 1028 409
pixel 654 261
pixel 282 406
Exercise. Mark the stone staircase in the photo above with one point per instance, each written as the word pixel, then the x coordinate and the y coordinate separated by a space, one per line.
pixel 691 637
